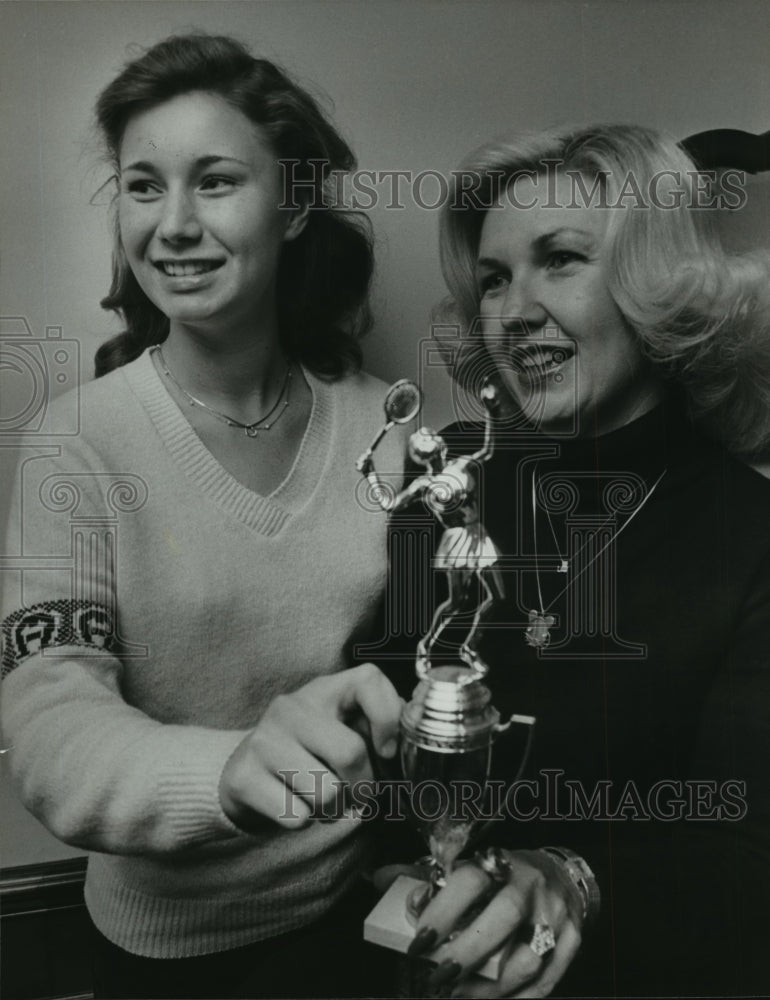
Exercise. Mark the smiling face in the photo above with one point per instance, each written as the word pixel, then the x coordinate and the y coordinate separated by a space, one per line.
pixel 562 347
pixel 198 213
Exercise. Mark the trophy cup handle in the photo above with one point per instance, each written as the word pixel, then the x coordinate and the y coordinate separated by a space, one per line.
pixel 504 727
pixel 523 720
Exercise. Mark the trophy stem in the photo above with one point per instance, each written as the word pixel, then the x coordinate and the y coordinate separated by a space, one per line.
pixel 422 894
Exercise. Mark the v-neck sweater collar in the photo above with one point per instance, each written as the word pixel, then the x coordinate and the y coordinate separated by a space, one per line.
pixel 265 514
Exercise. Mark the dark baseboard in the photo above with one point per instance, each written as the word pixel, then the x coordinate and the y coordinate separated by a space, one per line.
pixel 47 886
pixel 45 932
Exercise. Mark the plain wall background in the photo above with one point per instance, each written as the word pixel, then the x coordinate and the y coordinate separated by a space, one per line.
pixel 415 84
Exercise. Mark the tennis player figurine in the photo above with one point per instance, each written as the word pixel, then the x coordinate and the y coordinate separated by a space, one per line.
pixel 449 489
pixel 449 727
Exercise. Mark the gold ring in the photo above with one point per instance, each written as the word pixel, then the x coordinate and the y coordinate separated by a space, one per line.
pixel 494 863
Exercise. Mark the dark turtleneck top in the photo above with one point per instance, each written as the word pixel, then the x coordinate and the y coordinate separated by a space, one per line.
pixel 651 751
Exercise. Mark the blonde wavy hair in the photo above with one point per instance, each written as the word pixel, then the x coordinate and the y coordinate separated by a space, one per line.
pixel 702 315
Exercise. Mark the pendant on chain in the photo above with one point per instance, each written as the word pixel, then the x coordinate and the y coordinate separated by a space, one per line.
pixel 538 633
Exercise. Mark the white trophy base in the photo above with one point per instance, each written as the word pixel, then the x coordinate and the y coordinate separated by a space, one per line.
pixel 389 926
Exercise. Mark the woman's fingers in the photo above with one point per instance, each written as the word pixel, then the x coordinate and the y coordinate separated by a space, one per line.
pixel 555 966
pixel 270 776
pixel 503 915
pixel 319 733
pixel 539 976
pixel 308 779
pixel 512 910
pixel 364 693
pixel 303 759
pixel 465 887
pixel 251 793
pixel 527 917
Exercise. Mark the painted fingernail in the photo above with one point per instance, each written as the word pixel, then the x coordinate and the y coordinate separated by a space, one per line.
pixel 423 941
pixel 446 973
pixel 419 897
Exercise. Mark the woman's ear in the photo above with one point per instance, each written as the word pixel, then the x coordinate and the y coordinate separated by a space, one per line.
pixel 298 221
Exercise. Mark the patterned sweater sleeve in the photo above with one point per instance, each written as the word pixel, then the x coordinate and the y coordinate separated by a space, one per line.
pixel 99 773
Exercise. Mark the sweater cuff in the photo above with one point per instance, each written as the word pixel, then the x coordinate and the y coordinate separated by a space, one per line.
pixel 188 786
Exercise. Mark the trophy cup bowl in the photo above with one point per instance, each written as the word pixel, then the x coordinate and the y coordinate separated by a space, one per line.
pixel 447 732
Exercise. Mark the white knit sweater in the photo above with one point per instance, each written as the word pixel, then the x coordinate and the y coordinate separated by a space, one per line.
pixel 160 606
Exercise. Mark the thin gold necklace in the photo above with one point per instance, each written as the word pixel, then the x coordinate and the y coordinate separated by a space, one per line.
pixel 251 430
pixel 538 632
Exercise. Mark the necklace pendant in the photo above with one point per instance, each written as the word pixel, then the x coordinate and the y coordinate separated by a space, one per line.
pixel 250 430
pixel 538 633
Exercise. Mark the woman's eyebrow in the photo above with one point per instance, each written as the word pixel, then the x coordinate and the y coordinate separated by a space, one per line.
pixel 488 262
pixel 201 162
pixel 143 165
pixel 545 240
pixel 208 161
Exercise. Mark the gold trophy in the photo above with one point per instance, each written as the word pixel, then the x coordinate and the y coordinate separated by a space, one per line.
pixel 449 727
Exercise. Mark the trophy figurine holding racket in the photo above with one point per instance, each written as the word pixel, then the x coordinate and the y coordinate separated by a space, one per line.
pixel 449 726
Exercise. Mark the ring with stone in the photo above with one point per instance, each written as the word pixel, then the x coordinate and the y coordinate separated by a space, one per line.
pixel 543 939
pixel 493 862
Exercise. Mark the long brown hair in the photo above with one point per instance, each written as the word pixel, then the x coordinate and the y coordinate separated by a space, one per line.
pixel 324 273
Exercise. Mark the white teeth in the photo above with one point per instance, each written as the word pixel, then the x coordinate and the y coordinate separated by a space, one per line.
pixel 542 359
pixel 177 269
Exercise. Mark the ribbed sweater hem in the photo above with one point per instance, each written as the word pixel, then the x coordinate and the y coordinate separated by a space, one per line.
pixel 181 927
